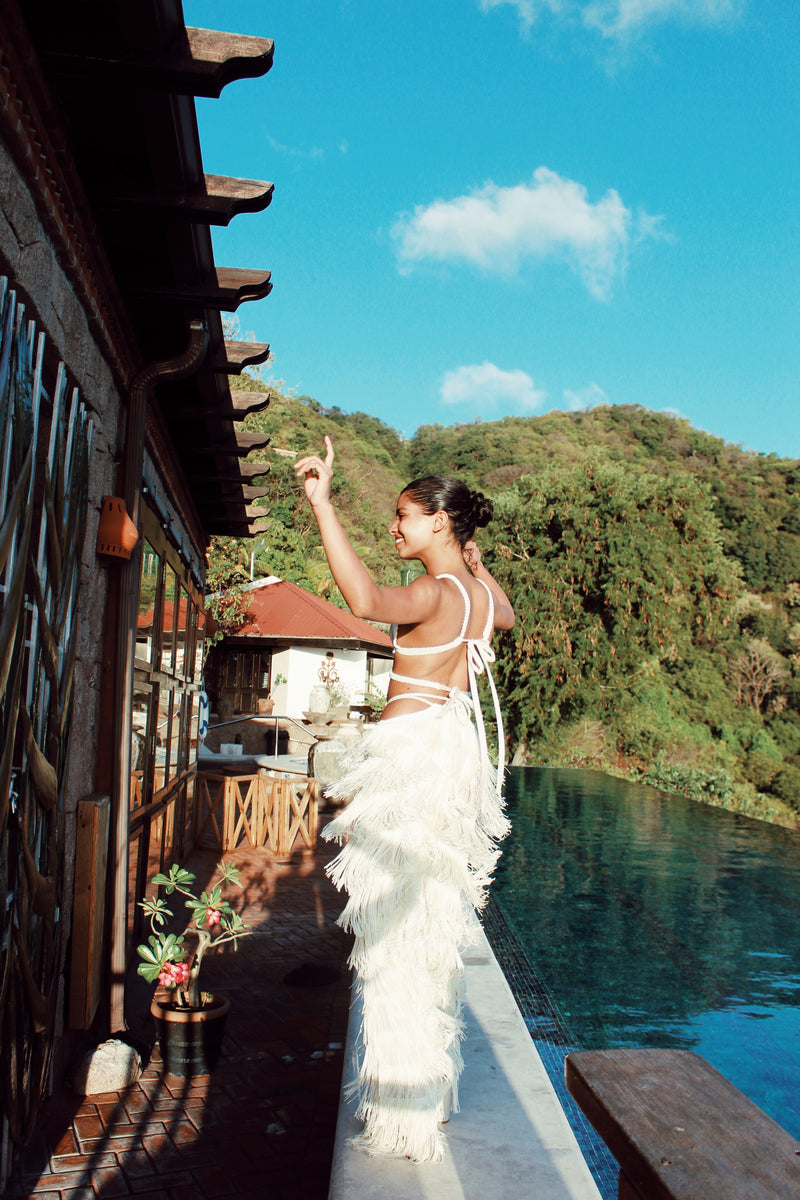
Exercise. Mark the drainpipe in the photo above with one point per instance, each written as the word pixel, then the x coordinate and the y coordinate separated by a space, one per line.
pixel 158 372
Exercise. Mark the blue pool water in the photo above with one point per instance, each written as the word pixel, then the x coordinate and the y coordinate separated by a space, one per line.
pixel 623 916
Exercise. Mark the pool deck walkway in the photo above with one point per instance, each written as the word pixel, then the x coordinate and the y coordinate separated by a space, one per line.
pixel 511 1138
pixel 265 1123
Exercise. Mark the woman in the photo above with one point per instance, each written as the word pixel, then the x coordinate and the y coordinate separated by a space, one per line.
pixel 421 831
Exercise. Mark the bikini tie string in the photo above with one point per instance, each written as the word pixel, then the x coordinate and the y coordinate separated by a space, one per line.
pixel 479 655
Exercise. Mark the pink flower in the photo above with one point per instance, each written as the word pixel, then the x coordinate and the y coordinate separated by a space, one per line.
pixel 213 916
pixel 173 974
pixel 180 972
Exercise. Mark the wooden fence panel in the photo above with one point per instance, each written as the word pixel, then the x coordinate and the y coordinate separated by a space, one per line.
pixel 275 813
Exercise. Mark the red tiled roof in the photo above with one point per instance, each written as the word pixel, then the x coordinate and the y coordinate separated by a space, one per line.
pixel 279 609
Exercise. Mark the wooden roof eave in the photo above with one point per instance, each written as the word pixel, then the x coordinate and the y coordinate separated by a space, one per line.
pixel 244 442
pixel 233 526
pixel 245 471
pixel 222 199
pixel 152 64
pixel 234 286
pixel 243 404
pixel 199 63
pixel 241 355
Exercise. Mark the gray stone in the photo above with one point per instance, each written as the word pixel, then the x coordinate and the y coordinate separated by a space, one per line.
pixel 110 1067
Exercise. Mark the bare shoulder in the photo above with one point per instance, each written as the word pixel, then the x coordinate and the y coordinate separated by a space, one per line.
pixel 421 600
pixel 426 586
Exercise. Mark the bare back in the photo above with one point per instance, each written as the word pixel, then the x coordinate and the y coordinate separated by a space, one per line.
pixel 445 667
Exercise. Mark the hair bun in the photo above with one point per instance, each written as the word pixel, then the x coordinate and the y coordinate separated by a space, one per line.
pixel 482 509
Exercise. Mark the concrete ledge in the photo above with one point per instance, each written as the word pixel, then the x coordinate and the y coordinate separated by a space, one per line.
pixel 511 1137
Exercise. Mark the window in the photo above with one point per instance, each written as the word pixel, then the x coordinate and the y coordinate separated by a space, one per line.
pixel 167 678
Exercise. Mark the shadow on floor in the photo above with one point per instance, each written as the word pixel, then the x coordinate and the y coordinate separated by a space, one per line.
pixel 264 1122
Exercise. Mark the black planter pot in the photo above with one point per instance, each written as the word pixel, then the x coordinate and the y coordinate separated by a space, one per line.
pixel 190 1038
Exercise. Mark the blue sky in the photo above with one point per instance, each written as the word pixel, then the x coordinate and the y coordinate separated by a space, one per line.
pixel 492 207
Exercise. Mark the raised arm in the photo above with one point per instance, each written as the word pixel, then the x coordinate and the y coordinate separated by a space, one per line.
pixel 364 597
pixel 503 611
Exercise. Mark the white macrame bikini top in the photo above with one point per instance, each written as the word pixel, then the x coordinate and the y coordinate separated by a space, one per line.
pixel 479 655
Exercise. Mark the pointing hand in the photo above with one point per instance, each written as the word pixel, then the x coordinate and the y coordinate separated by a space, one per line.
pixel 318 473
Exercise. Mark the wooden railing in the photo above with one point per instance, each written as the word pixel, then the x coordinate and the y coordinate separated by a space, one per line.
pixel 279 814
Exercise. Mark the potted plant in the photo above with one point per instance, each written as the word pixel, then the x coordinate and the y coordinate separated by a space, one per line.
pixel 189 1023
pixel 266 705
pixel 375 702
pixel 339 706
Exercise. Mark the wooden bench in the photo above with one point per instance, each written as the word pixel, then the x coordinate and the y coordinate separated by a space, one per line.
pixel 681 1131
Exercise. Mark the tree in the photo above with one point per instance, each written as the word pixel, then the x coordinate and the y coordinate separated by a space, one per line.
pixel 756 673
pixel 612 573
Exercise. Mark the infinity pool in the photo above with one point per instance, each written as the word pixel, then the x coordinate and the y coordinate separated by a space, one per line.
pixel 627 917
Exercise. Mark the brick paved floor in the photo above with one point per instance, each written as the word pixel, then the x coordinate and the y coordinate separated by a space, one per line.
pixel 262 1125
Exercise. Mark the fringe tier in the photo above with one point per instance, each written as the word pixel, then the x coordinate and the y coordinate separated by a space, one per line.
pixel 420 844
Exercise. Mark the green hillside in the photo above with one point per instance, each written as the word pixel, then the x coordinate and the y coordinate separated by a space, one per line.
pixel 655 571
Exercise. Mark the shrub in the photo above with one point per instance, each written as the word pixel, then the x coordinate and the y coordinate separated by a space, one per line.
pixel 786 784
pixel 764 761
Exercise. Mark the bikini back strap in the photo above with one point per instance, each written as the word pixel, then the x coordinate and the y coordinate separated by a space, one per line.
pixel 488 628
pixel 479 655
pixel 430 683
pixel 456 641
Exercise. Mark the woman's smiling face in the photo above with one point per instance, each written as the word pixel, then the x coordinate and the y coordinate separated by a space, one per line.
pixel 412 528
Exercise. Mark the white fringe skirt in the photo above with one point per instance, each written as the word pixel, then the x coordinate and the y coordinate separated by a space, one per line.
pixel 420 843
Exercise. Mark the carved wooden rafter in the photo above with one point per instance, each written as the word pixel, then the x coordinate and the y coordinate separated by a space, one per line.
pixel 235 286
pixel 240 355
pixel 252 493
pixel 247 441
pixel 244 404
pixel 222 199
pixel 243 529
pixel 245 470
pixel 199 64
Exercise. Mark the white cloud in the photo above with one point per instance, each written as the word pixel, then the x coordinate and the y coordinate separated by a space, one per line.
pixel 311 152
pixel 528 10
pixel 496 228
pixel 487 386
pixel 588 397
pixel 622 18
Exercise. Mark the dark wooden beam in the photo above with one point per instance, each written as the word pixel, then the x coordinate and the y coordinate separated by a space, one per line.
pixel 200 63
pixel 235 286
pixel 243 471
pixel 243 405
pixel 223 199
pixel 242 354
pixel 237 490
pixel 250 441
pixel 234 528
pixel 245 442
